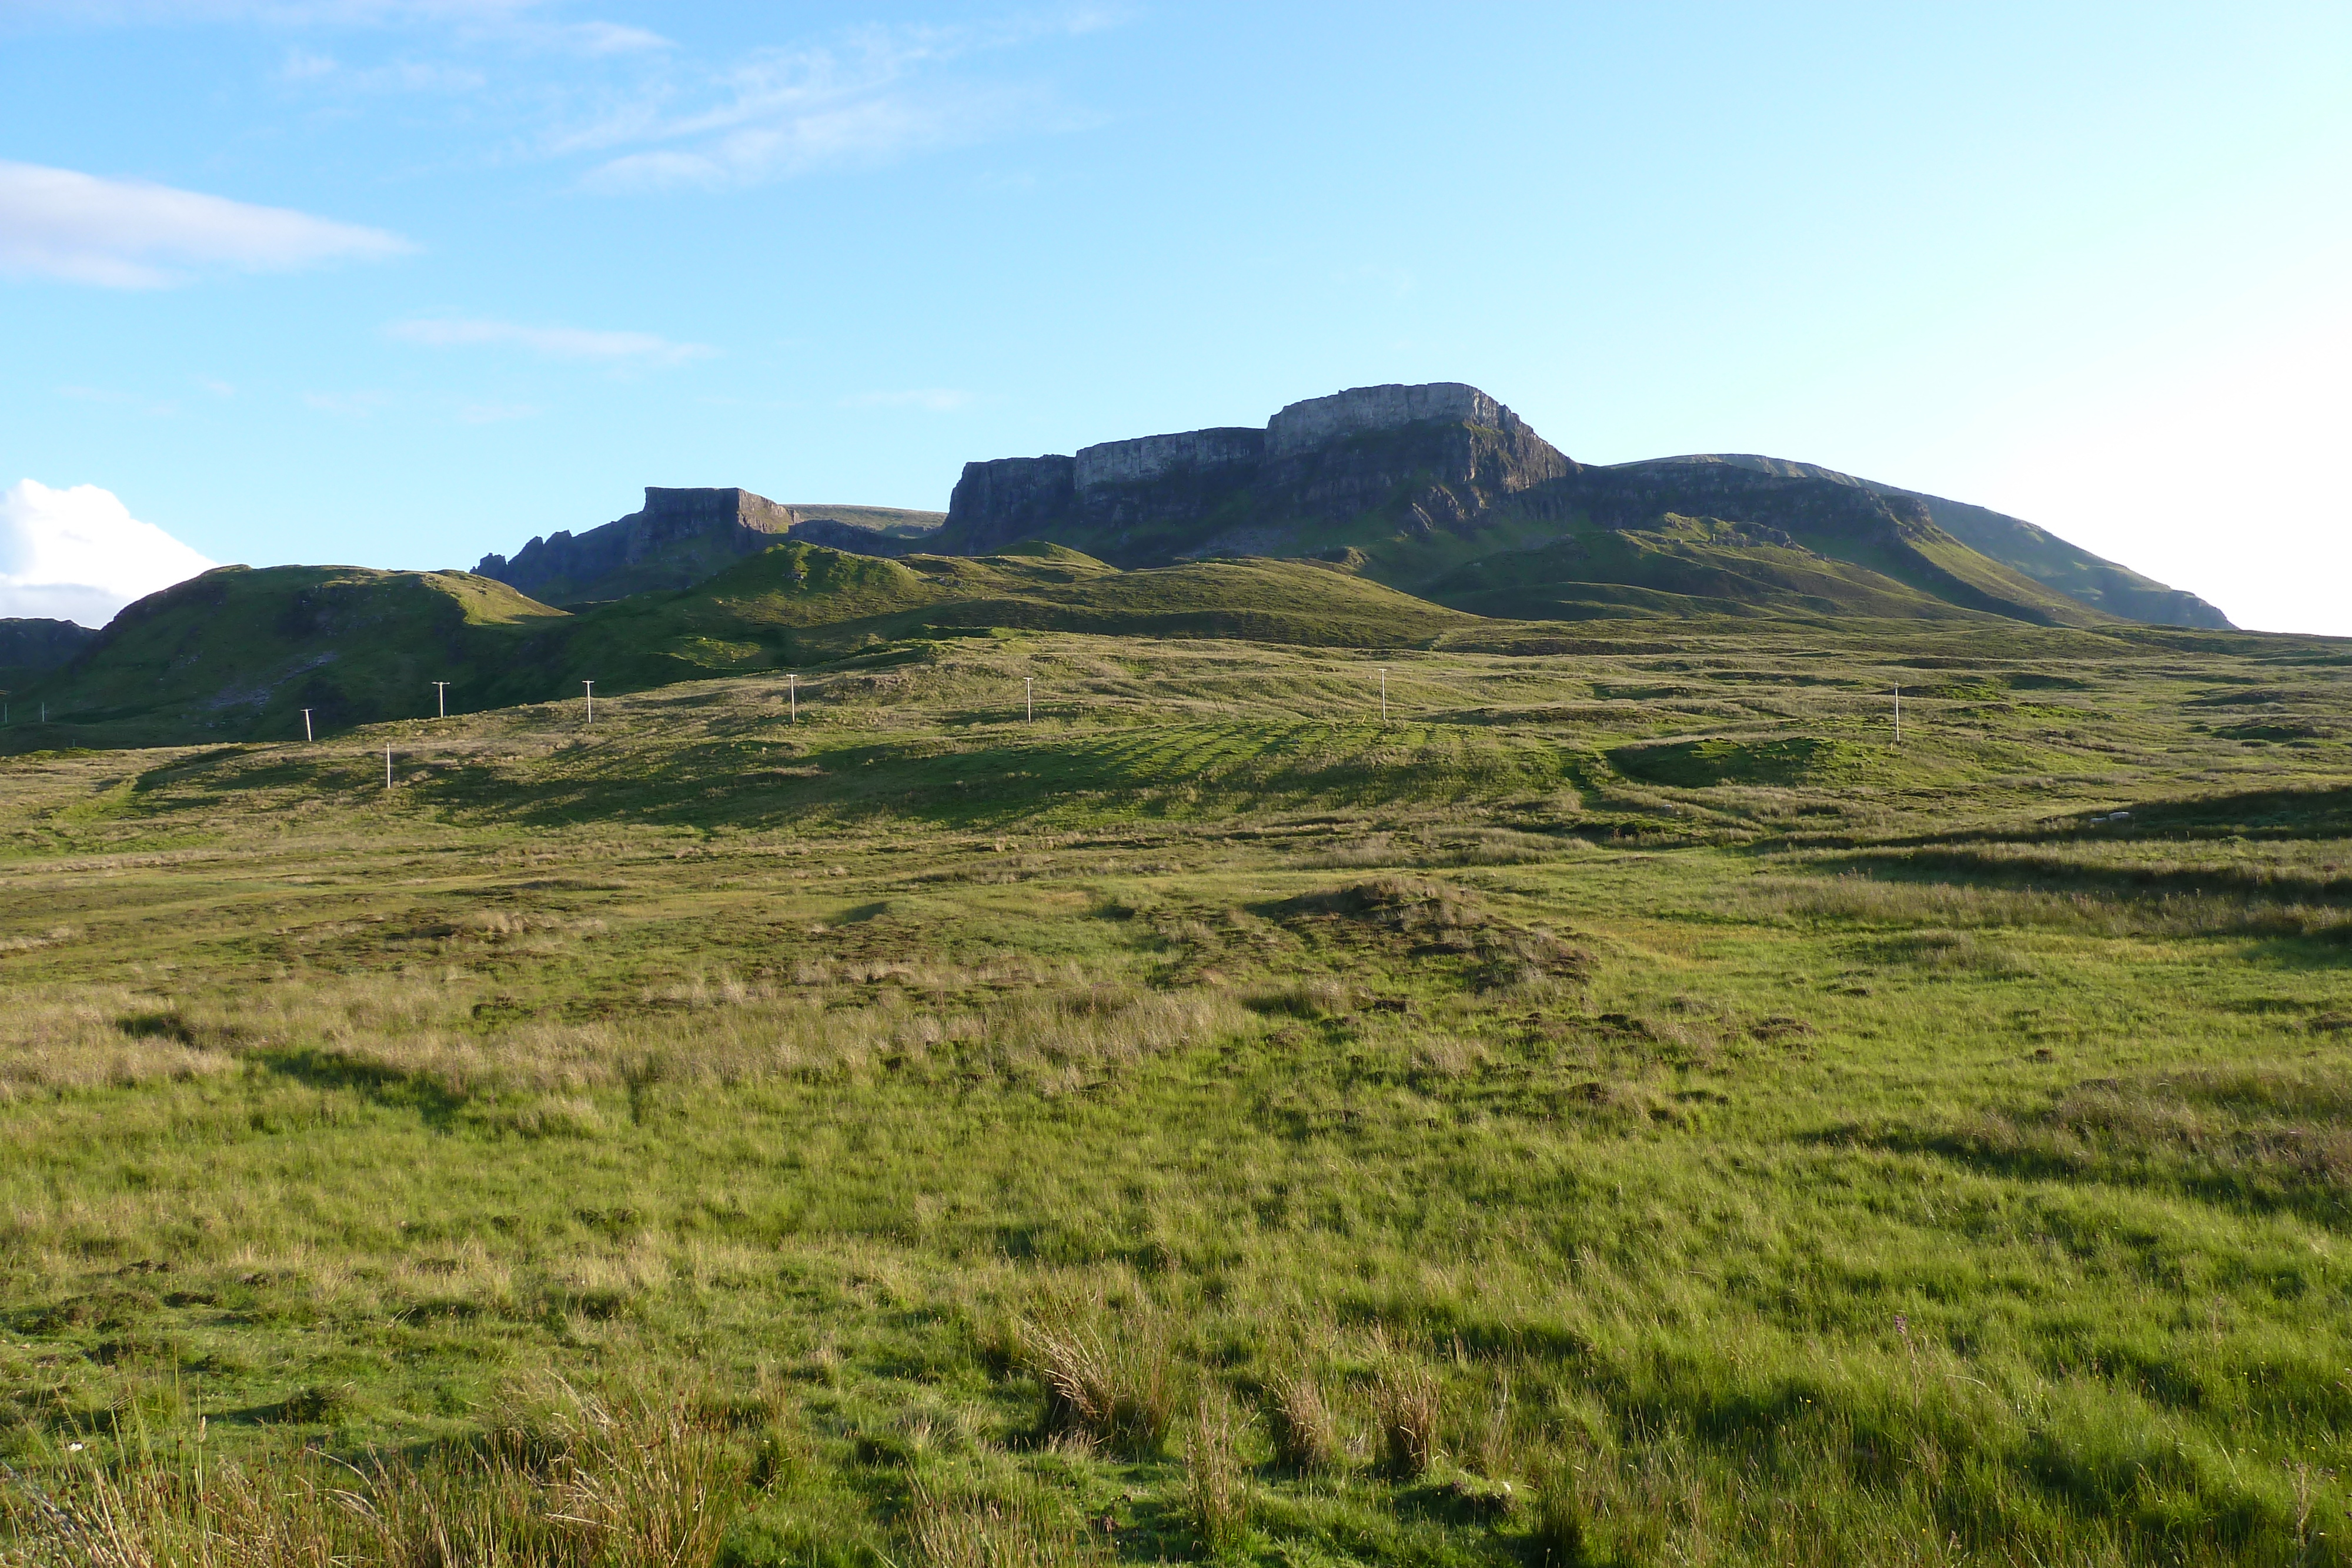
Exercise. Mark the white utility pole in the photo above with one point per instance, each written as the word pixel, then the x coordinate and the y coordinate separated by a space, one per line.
pixel 387 765
pixel 592 700
pixel 1385 694
pixel 792 690
pixel 441 698
pixel 1898 713
pixel 1029 696
pixel 306 725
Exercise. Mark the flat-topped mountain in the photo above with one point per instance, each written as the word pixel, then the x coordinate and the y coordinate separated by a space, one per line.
pixel 679 537
pixel 1441 490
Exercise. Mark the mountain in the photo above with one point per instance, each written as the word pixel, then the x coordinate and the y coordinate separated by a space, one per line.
pixel 237 654
pixel 30 647
pixel 2019 546
pixel 680 536
pixel 1441 490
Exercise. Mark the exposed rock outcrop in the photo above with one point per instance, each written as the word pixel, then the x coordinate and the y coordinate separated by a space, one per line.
pixel 1441 453
pixel 682 535
pixel 1392 471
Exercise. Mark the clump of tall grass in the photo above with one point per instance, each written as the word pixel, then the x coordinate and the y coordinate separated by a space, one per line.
pixel 1115 1391
pixel 1216 1485
pixel 586 1482
pixel 963 1531
pixel 1305 1430
pixel 1405 1403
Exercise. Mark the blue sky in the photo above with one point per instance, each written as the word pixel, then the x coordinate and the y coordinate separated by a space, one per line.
pixel 399 282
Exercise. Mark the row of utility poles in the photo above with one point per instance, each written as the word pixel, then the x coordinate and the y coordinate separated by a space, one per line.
pixel 792 695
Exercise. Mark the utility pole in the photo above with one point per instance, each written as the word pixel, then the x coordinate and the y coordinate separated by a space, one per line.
pixel 792 690
pixel 1385 694
pixel 592 700
pixel 1029 697
pixel 1898 713
pixel 307 735
pixel 387 765
pixel 441 699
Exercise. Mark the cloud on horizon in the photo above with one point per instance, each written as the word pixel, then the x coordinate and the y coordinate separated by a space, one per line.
pixel 129 233
pixel 555 343
pixel 77 554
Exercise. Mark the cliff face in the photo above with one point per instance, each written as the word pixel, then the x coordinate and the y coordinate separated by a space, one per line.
pixel 682 535
pixel 1439 456
pixel 1414 482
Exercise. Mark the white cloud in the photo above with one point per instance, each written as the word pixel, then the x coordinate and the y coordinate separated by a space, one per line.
pixel 127 233
pixel 77 554
pixel 936 399
pixel 880 93
pixel 557 342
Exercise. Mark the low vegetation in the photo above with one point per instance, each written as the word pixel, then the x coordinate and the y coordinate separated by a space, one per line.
pixel 1622 1109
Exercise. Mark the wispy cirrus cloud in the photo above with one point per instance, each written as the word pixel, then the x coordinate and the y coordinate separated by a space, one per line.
pixel 874 95
pixel 131 234
pixel 555 343
pixel 520 21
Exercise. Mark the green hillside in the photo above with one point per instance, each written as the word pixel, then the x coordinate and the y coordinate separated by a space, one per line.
pixel 2030 551
pixel 1690 566
pixel 237 654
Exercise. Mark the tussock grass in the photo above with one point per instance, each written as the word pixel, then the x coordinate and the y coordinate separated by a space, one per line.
pixel 930 1115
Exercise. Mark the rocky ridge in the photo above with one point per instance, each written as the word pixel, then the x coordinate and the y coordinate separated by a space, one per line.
pixel 1410 483
pixel 680 536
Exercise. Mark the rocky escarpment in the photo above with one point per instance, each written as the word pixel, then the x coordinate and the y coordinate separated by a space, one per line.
pixel 1410 483
pixel 1438 455
pixel 681 537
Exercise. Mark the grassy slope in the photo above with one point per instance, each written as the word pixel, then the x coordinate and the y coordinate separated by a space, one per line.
pixel 1753 1142
pixel 240 652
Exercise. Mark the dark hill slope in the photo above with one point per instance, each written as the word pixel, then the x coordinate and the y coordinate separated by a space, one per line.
pixel 1412 484
pixel 30 647
pixel 237 654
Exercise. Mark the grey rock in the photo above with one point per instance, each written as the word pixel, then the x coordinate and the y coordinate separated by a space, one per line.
pixel 1149 457
pixel 679 537
pixel 1320 421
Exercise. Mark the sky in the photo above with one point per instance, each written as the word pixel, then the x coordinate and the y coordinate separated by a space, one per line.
pixel 399 283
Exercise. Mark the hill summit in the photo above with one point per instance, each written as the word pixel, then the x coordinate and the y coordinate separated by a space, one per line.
pixel 1441 490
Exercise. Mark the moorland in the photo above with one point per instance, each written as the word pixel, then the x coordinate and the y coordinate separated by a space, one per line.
pixel 1617 1105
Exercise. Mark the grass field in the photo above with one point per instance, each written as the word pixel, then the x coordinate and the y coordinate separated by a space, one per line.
pixel 1623 1108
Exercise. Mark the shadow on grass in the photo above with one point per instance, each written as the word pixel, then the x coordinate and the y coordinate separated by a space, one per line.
pixel 432 1100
